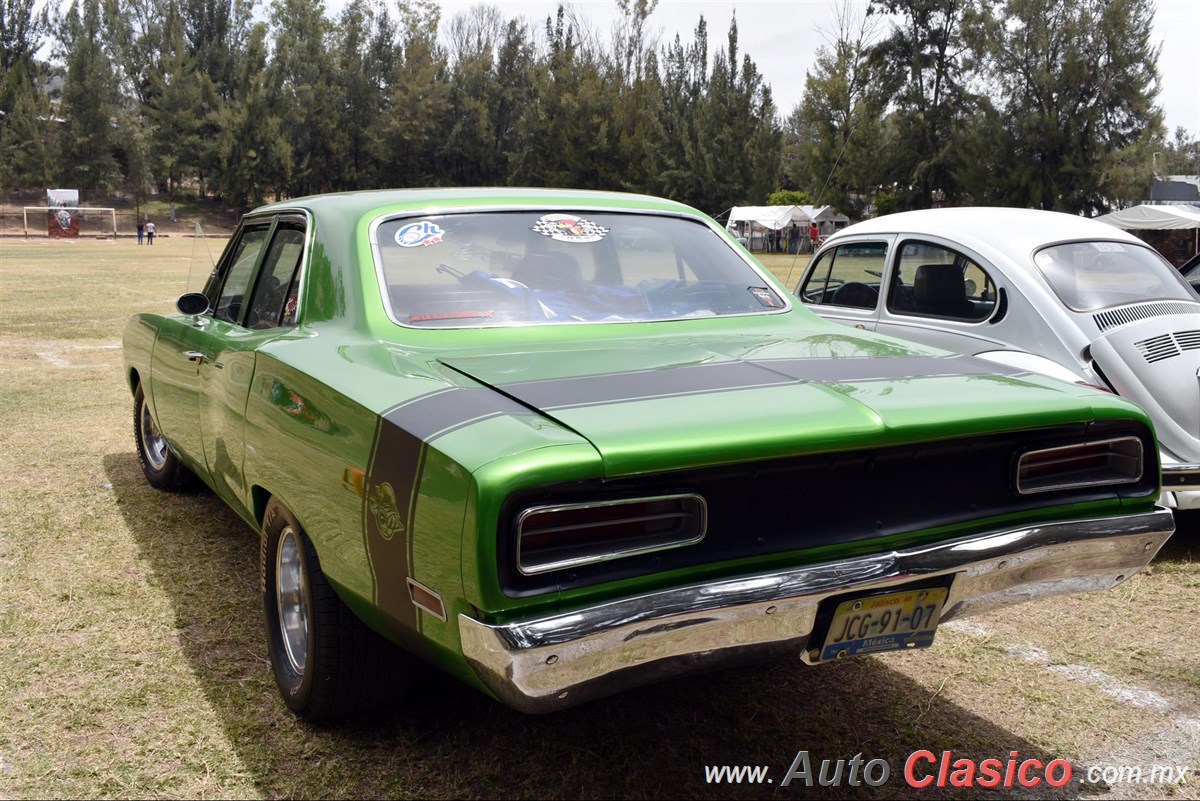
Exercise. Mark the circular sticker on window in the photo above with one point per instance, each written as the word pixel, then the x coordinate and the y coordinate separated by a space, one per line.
pixel 419 234
pixel 569 228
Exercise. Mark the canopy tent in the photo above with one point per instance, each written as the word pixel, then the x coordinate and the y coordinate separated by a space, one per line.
pixel 773 217
pixel 776 217
pixel 822 214
pixel 1154 217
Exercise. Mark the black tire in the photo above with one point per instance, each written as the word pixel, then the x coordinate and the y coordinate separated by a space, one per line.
pixel 163 469
pixel 327 663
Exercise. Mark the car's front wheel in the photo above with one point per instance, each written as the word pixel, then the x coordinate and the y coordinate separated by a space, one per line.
pixel 327 663
pixel 162 467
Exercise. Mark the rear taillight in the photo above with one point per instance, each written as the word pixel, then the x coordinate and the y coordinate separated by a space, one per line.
pixel 1102 462
pixel 570 535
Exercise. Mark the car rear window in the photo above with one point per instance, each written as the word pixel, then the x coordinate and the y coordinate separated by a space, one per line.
pixel 1088 276
pixel 539 267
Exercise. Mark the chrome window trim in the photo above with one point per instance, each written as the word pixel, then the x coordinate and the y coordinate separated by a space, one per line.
pixel 441 211
pixel 612 555
pixel 273 218
pixel 956 248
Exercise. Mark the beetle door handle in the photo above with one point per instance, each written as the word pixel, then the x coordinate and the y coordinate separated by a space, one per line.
pixel 194 356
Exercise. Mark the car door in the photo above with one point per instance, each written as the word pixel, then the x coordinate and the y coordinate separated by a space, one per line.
pixel 943 296
pixel 845 282
pixel 250 311
pixel 183 343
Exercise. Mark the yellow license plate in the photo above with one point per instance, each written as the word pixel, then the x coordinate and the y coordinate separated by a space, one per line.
pixel 875 623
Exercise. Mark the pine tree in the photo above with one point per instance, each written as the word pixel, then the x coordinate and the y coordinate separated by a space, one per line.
pixel 89 101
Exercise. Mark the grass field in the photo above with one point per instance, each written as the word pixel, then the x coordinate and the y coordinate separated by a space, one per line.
pixel 133 662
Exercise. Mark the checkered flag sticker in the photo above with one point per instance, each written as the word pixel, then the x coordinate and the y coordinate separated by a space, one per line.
pixel 569 228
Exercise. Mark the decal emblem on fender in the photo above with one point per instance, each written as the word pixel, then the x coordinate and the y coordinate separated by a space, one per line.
pixel 383 507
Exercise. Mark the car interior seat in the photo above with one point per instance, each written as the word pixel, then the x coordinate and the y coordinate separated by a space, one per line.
pixel 940 289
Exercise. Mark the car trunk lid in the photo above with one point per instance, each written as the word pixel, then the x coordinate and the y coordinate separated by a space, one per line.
pixel 660 406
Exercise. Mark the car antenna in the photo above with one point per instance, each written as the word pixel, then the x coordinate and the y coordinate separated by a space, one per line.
pixel 198 234
pixel 787 281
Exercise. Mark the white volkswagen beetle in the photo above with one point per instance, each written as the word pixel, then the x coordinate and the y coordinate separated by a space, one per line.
pixel 1037 290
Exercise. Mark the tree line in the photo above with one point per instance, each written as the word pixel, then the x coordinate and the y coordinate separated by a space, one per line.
pixel 1042 103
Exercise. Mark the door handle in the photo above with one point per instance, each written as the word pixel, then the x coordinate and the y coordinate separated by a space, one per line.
pixel 194 356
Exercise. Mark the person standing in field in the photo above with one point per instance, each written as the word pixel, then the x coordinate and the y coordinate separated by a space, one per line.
pixel 141 228
pixel 149 233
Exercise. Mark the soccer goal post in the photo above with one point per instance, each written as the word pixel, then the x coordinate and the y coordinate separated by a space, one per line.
pixel 71 221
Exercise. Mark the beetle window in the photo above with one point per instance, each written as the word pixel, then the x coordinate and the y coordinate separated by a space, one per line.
pixel 238 272
pixel 934 281
pixel 274 301
pixel 1088 276
pixel 519 268
pixel 849 275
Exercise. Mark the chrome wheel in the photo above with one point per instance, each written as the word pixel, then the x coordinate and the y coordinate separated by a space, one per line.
pixel 291 594
pixel 154 447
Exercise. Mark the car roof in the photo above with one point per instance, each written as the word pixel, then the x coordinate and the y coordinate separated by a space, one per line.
pixel 378 201
pixel 984 228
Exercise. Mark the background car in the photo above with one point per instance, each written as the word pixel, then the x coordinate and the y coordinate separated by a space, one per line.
pixel 540 439
pixel 1033 290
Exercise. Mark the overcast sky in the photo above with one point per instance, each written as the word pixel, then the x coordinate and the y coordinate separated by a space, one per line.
pixel 782 35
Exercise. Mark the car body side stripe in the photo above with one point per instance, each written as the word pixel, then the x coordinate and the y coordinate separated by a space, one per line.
pixel 440 412
pixel 728 376
pixel 592 390
pixel 445 410
pixel 393 480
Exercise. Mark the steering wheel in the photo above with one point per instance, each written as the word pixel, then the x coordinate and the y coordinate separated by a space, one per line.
pixel 855 294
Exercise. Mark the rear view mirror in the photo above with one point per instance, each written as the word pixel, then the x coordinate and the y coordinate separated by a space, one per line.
pixel 192 304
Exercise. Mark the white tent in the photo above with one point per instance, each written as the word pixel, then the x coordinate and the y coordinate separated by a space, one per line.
pixel 777 218
pixel 773 217
pixel 822 214
pixel 1154 217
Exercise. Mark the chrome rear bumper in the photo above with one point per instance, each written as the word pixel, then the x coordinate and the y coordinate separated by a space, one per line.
pixel 1180 476
pixel 1180 485
pixel 564 659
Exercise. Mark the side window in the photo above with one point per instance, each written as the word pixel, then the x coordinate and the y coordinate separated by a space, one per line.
pixel 273 303
pixel 238 272
pixel 849 275
pixel 934 281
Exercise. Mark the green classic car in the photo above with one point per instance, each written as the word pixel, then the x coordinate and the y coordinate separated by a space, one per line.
pixel 562 443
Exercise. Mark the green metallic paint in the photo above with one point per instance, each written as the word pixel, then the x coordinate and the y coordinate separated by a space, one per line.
pixel 313 397
pixel 304 434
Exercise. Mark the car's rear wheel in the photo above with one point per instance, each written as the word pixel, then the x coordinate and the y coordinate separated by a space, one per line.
pixel 162 467
pixel 327 663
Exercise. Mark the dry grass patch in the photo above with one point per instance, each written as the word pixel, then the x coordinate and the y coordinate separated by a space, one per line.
pixel 788 268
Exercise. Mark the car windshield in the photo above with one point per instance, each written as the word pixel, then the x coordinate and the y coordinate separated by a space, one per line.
pixel 1088 276
pixel 536 267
